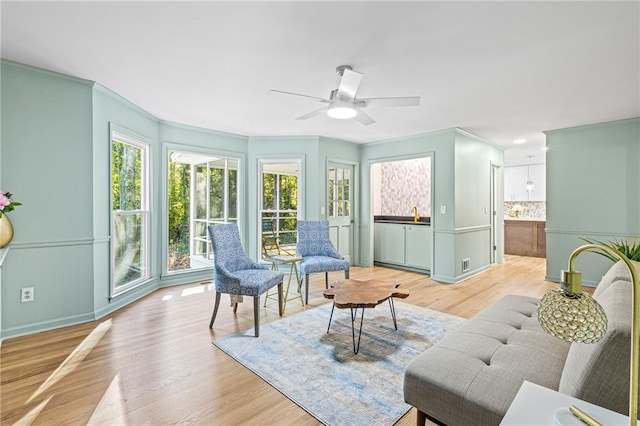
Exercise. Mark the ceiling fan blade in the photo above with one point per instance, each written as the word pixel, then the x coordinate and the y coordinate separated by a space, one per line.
pixel 311 114
pixel 349 84
pixel 391 102
pixel 364 118
pixel 299 94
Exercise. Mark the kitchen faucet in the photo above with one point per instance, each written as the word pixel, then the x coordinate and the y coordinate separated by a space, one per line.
pixel 414 212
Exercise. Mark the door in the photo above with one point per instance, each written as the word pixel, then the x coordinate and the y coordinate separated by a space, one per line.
pixel 340 207
pixel 495 199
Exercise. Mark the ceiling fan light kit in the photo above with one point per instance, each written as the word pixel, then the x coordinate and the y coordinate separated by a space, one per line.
pixel 343 104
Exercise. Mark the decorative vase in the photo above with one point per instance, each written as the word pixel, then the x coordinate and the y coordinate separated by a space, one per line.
pixel 6 231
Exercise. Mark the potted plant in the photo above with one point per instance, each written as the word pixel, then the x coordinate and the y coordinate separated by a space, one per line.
pixel 6 228
pixel 631 249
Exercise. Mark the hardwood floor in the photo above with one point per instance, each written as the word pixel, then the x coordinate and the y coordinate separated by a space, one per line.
pixel 153 362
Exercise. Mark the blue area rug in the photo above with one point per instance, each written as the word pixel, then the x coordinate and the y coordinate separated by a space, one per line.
pixel 319 371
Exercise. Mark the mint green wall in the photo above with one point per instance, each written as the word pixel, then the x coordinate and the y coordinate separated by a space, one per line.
pixel 441 146
pixel 462 169
pixel 593 191
pixel 473 160
pixel 47 165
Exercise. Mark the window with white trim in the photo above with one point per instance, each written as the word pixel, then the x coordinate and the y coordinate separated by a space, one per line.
pixel 129 212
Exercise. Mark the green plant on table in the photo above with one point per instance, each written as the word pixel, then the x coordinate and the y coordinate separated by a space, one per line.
pixel 631 249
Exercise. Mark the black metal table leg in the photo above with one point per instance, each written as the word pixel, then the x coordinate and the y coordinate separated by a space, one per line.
pixel 393 312
pixel 354 314
pixel 331 316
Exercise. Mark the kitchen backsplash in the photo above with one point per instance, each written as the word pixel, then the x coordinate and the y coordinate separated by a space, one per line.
pixel 532 209
pixel 405 184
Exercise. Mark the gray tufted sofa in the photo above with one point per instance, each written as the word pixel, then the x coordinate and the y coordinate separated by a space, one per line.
pixel 472 375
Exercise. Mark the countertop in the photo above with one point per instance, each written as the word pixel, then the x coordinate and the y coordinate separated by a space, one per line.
pixel 524 219
pixel 404 220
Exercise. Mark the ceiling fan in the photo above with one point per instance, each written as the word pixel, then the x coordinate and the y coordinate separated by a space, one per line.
pixel 343 103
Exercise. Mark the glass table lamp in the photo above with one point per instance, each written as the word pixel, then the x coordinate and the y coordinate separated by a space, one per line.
pixel 570 314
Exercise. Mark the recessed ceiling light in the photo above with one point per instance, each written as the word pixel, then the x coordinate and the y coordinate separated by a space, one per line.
pixel 519 141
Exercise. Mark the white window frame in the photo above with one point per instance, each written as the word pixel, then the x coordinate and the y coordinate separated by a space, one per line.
pixel 123 137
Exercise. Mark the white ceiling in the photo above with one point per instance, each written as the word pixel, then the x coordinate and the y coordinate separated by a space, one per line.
pixel 499 70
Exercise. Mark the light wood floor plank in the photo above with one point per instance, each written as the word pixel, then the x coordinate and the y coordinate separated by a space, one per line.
pixel 156 364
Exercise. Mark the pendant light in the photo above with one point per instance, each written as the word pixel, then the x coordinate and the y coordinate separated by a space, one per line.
pixel 529 185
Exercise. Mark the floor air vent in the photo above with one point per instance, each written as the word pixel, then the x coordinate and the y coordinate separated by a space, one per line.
pixel 466 264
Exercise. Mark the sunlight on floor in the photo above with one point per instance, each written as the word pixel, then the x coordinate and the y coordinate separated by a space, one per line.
pixel 192 290
pixel 30 417
pixel 110 409
pixel 75 358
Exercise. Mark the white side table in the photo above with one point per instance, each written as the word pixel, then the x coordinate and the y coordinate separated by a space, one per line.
pixel 534 405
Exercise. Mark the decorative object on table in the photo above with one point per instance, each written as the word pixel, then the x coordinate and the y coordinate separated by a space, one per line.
pixel 317 252
pixel 238 275
pixel 6 227
pixel 631 249
pixel 323 375
pixel 572 315
pixel 516 210
pixel 354 294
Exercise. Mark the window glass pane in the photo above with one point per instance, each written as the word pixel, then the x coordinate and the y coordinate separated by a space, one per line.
pixel 126 172
pixel 233 193
pixel 269 191
pixel 216 193
pixel 288 192
pixel 179 203
pixel 201 192
pixel 129 235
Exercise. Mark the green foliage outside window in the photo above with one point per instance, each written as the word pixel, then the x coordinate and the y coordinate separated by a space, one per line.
pixel 126 172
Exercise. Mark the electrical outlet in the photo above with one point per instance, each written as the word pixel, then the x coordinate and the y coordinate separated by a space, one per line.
pixel 27 294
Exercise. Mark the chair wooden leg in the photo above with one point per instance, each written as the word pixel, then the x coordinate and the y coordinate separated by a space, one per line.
pixel 256 315
pixel 326 280
pixel 280 301
pixel 421 418
pixel 306 289
pixel 215 309
pixel 235 307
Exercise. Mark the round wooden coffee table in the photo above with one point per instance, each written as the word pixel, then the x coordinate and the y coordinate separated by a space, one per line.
pixel 354 294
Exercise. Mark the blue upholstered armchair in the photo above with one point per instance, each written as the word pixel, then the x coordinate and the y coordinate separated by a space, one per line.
pixel 238 275
pixel 317 252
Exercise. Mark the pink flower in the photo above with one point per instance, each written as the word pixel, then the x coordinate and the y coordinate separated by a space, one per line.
pixel 4 201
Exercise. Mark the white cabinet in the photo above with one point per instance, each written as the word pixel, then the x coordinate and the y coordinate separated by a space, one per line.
pixel 403 245
pixel 417 244
pixel 515 183
pixel 515 180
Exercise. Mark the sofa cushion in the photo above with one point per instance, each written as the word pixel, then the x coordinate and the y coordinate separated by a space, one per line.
pixel 618 272
pixel 472 375
pixel 599 372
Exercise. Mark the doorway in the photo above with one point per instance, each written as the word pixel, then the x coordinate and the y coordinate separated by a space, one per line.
pixel 340 206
